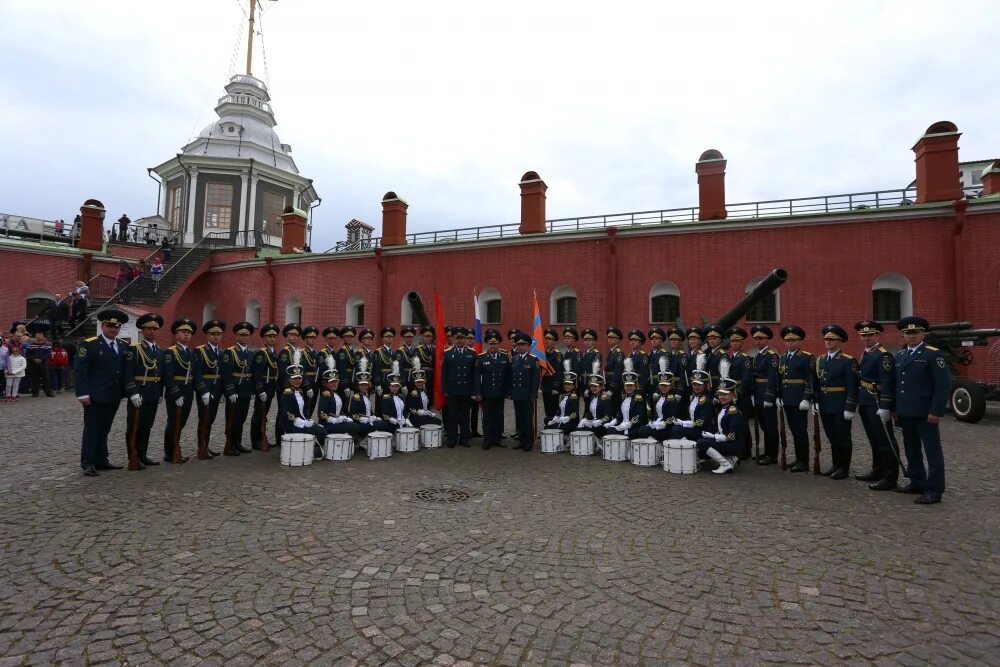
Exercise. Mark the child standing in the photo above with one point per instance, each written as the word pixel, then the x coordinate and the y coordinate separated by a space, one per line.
pixel 157 271
pixel 16 367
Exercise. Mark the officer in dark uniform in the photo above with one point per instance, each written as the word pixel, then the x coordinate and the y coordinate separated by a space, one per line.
pixel 476 406
pixel 144 387
pixel 713 336
pixel 265 384
pixel 291 409
pixel 491 384
pixel 678 358
pixel 765 391
pixel 208 384
pixel 587 358
pixel 310 368
pixel 640 360
pixel 837 398
pixel 99 369
pixel 741 371
pixel 405 354
pixel 656 337
pixel 614 365
pixel 876 398
pixel 922 386
pixel 365 351
pixel 382 363
pixel 363 406
pixel 457 378
pixel 552 383
pixel 426 350
pixel 178 384
pixel 525 376
pixel 238 387
pixel 293 340
pixel 572 352
pixel 797 377
pixel 346 359
pixel 695 358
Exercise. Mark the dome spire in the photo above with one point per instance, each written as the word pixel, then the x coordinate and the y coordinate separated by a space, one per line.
pixel 253 8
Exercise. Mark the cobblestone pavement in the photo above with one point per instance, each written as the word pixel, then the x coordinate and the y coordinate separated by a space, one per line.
pixel 552 559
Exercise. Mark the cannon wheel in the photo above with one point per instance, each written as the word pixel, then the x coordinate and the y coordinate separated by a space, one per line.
pixel 968 403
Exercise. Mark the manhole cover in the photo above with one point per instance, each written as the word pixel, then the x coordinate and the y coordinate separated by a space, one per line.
pixel 442 495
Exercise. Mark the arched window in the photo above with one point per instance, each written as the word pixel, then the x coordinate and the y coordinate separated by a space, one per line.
pixel 293 311
pixel 489 306
pixel 664 303
pixel 207 312
pixel 562 305
pixel 892 298
pixel 406 314
pixel 355 312
pixel 36 303
pixel 767 309
pixel 253 312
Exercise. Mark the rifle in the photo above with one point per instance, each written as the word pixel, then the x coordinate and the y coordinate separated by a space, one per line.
pixel 784 438
pixel 177 458
pixel 816 443
pixel 756 430
pixel 265 446
pixel 230 409
pixel 133 457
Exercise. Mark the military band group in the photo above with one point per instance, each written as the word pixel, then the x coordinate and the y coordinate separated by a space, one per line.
pixel 708 392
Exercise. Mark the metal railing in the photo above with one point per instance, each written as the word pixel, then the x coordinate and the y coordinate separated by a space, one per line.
pixel 856 201
pixel 144 234
pixel 36 229
pixel 249 100
pixel 247 238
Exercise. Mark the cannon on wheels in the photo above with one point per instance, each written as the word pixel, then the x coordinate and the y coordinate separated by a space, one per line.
pixel 967 398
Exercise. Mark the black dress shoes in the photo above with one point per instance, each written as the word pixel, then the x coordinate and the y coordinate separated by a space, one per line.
pixel 517 446
pixel 464 444
pixel 766 460
pixel 90 471
pixel 486 445
pixel 883 485
pixel 799 467
pixel 212 454
pixel 873 476
pixel 243 450
pixel 927 499
pixel 477 435
pixel 146 461
pixel 839 473
pixel 230 452
pixel 526 448
pixel 108 465
pixel 829 472
pixel 909 488
pixel 450 445
pixel 500 444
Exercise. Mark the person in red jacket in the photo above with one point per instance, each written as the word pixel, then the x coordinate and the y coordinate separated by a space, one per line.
pixel 58 363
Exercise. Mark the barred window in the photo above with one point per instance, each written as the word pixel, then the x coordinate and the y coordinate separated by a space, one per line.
pixel 218 205
pixel 174 208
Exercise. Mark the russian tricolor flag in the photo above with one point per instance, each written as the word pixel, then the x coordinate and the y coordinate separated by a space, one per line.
pixel 478 347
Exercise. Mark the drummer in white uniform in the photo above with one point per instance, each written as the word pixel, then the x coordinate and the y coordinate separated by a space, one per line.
pixel 597 404
pixel 332 413
pixel 419 409
pixel 362 406
pixel 664 406
pixel 567 415
pixel 632 411
pixel 724 444
pixel 392 405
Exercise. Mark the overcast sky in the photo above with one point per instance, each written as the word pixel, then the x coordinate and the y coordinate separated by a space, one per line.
pixel 448 103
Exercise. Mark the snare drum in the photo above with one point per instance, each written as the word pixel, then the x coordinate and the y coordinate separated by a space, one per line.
pixel 552 441
pixel 646 452
pixel 680 456
pixel 339 447
pixel 582 443
pixel 430 435
pixel 378 444
pixel 406 440
pixel 615 447
pixel 297 449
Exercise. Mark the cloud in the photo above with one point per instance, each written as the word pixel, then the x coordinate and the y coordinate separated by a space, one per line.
pixel 448 103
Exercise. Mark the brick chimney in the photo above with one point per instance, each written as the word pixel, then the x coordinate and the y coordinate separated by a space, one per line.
pixel 937 163
pixel 991 179
pixel 532 203
pixel 293 230
pixel 711 170
pixel 393 220
pixel 92 225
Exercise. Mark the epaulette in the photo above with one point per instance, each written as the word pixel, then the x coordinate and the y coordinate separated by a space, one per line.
pixel 605 396
pixel 449 348
pixel 639 397
pixel 931 348
pixel 327 394
pixel 882 349
pixel 574 397
pixel 771 350
pixel 733 410
pixel 806 352
pixel 91 339
pixel 846 356
pixel 482 354
pixel 701 400
pixel 413 392
pixel 288 390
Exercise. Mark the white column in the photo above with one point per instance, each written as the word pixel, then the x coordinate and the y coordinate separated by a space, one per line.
pixel 295 196
pixel 163 199
pixel 252 213
pixel 243 223
pixel 192 198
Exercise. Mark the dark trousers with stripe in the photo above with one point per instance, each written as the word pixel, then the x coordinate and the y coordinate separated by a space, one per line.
pixel 838 432
pixel 798 424
pixel 882 438
pixel 236 419
pixel 919 439
pixel 141 428
pixel 767 418
pixel 177 417
pixel 97 421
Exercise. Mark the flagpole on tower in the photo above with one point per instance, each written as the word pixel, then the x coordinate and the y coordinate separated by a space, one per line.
pixel 253 6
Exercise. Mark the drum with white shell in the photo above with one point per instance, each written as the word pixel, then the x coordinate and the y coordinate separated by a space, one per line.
pixel 646 452
pixel 339 447
pixel 582 443
pixel 552 441
pixel 680 456
pixel 378 444
pixel 297 449
pixel 615 447
pixel 406 440
pixel 430 435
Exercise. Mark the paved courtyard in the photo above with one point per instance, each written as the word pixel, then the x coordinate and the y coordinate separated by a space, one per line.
pixel 551 559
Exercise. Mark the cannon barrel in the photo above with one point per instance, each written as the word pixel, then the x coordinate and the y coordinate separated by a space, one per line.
pixel 950 325
pixel 773 281
pixel 963 333
pixel 417 306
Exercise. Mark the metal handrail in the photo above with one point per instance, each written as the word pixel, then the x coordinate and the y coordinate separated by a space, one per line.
pixel 878 199
pixel 134 233
pixel 28 228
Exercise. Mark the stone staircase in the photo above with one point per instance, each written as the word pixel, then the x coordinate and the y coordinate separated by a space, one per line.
pixel 152 293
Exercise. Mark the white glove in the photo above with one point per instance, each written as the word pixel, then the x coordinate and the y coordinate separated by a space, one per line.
pixel 552 422
pixel 884 414
pixel 768 404
pixel 232 399
pixel 622 427
pixel 706 434
pixel 310 393
pixel 753 401
pixel 205 398
pixel 804 405
pixel 262 396
pixel 136 400
pixel 612 424
pixel 564 420
pixel 583 423
pixel 392 420
pixel 780 403
pixel 406 422
pixel 687 423
pixel 426 413
pixel 180 401
pixel 678 398
pixel 300 423
pixel 658 425
pixel 333 420
pixel 310 422
pixel 848 415
pixel 720 437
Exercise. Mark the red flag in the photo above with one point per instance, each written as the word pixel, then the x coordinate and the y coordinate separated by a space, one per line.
pixel 439 341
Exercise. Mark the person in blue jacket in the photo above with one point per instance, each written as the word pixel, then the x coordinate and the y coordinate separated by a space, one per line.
pixel 99 368
pixel 525 378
